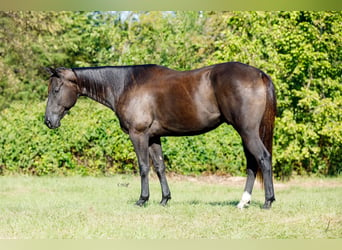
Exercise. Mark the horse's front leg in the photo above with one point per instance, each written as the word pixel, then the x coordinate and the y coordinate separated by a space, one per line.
pixel 140 142
pixel 159 166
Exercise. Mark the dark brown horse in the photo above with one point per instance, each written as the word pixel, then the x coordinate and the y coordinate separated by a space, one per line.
pixel 153 101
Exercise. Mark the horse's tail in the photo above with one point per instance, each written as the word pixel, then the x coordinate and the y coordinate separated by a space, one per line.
pixel 267 122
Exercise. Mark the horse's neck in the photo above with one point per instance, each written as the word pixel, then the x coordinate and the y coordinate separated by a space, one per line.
pixel 103 100
pixel 104 88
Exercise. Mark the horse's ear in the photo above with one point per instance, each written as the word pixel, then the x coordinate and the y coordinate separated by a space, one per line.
pixel 67 74
pixel 51 71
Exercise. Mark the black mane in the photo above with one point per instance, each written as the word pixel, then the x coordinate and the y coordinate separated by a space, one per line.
pixel 97 81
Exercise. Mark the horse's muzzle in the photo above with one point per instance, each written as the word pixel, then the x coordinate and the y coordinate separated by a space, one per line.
pixel 51 124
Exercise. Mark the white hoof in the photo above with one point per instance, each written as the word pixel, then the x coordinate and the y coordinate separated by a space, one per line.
pixel 245 200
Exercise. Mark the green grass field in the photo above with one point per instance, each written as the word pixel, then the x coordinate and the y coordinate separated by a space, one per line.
pixel 201 207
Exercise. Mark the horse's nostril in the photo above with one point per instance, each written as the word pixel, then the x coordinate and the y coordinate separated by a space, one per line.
pixel 48 123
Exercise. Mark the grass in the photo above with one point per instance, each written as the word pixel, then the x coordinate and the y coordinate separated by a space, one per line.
pixel 203 207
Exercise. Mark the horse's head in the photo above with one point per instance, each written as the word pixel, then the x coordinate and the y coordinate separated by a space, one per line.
pixel 63 93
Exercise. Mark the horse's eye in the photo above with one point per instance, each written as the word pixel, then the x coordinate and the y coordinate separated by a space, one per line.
pixel 56 90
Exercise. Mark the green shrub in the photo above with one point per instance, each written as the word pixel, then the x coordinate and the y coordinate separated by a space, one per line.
pixel 90 142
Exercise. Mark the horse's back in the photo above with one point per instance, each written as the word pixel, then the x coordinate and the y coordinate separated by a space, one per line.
pixel 192 102
pixel 174 102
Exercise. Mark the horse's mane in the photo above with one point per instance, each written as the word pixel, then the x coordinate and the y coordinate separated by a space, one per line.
pixel 94 80
pixel 97 80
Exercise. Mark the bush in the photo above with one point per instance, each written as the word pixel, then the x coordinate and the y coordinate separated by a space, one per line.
pixel 90 142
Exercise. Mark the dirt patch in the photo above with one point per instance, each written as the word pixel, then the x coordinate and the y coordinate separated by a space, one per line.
pixel 313 182
pixel 240 181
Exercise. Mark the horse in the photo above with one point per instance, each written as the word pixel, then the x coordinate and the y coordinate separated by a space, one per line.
pixel 152 101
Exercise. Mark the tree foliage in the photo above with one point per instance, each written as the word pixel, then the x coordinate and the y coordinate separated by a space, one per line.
pixel 300 50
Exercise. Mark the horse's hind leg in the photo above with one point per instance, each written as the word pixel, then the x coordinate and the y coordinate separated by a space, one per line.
pixel 252 170
pixel 159 166
pixel 256 148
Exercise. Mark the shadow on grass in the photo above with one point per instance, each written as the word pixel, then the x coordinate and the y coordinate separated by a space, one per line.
pixel 227 203
pixel 233 203
pixel 214 203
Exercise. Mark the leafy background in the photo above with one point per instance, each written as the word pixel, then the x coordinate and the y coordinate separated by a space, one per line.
pixel 300 50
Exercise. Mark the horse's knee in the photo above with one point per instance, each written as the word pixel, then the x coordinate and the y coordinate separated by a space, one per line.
pixel 144 170
pixel 160 169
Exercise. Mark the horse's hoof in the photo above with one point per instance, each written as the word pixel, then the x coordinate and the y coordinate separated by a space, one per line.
pixel 243 204
pixel 164 201
pixel 267 205
pixel 141 202
pixel 245 200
